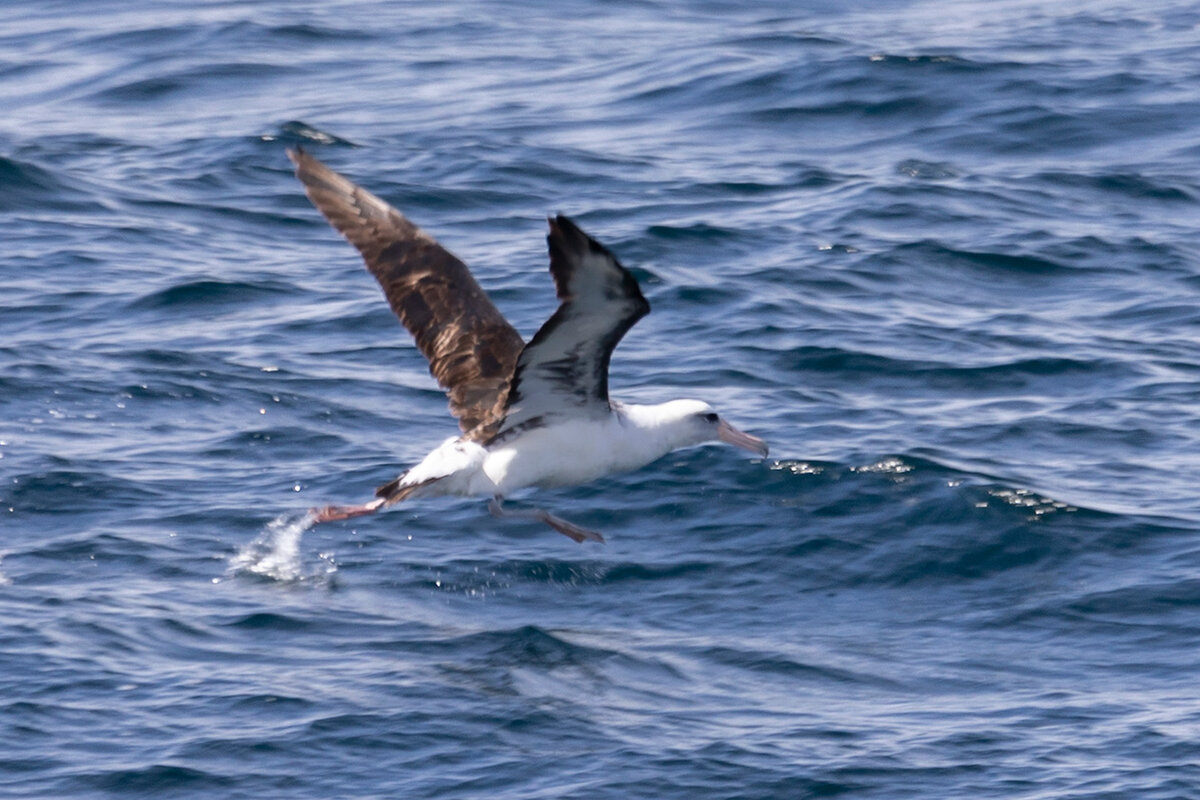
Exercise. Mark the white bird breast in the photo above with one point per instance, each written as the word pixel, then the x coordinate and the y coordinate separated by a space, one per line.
pixel 567 454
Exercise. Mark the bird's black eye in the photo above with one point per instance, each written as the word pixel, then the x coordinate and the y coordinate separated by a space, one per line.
pixel 710 417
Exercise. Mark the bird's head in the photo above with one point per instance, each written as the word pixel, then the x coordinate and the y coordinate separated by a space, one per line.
pixel 695 422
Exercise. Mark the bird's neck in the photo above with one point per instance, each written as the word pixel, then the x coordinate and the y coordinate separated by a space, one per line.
pixel 654 434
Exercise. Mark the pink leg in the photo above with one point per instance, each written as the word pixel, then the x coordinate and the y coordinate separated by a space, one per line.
pixel 568 529
pixel 333 513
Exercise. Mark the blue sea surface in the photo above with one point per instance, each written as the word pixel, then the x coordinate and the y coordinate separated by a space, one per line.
pixel 944 257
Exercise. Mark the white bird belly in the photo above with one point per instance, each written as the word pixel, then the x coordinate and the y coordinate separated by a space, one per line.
pixel 567 454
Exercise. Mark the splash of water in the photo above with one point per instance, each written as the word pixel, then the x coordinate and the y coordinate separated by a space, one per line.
pixel 275 553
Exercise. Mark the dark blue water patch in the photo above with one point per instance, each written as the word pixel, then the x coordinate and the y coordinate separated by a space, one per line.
pixel 1007 264
pixel 212 295
pixel 16 175
pixel 229 37
pixel 162 359
pixel 1011 528
pixel 273 622
pixel 700 81
pixel 86 153
pixel 526 171
pixel 1161 601
pixel 1132 255
pixel 802 177
pixel 166 38
pixel 146 90
pixel 305 34
pixel 775 664
pixel 910 107
pixel 207 214
pixel 154 780
pixel 705 297
pixel 1131 185
pixel 27 70
pixel 175 85
pixel 618 573
pixel 274 445
pixel 49 549
pixel 704 233
pixel 783 40
pixel 1042 129
pixel 26 187
pixel 876 90
pixel 47 492
pixel 528 646
pixel 729 770
pixel 1019 374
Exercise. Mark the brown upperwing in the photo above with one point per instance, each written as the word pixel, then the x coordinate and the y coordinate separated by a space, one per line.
pixel 472 350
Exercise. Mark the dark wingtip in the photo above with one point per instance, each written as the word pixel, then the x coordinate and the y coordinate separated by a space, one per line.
pixel 562 226
pixel 572 237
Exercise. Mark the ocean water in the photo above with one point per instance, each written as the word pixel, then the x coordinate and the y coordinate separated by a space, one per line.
pixel 944 257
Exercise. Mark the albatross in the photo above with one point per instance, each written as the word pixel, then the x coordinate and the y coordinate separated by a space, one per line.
pixel 534 414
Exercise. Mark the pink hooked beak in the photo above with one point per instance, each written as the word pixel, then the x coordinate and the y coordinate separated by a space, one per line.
pixel 731 435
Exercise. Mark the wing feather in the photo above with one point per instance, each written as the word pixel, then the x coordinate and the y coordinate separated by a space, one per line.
pixel 563 371
pixel 471 347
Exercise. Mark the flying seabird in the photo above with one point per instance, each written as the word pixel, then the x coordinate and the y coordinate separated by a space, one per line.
pixel 531 414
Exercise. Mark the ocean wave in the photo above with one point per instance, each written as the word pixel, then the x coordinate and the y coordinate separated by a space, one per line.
pixel 941 256
pixel 211 295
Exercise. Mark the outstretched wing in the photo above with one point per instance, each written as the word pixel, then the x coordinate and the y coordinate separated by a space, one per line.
pixel 472 350
pixel 563 371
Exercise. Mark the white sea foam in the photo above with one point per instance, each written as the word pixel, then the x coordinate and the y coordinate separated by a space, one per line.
pixel 275 553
